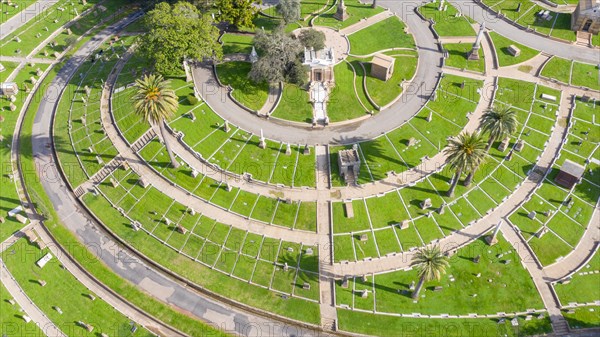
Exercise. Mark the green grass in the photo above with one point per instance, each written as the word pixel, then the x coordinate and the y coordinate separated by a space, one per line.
pixel 584 317
pixel 356 12
pixel 384 92
pixel 582 288
pixel 385 34
pixel 343 103
pixel 446 22
pixel 248 93
pixel 12 323
pixel 237 43
pixel 64 291
pixel 504 57
pixel 393 294
pixel 294 105
pixel 585 75
pixel 7 11
pixel 458 57
pixel 380 325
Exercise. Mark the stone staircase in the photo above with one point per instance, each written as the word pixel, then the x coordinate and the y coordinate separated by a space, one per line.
pixel 106 171
pixel 143 140
pixel 329 324
pixel 560 327
pixel 584 39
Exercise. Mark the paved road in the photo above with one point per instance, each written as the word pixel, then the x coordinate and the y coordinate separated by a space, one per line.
pixel 411 102
pixel 24 16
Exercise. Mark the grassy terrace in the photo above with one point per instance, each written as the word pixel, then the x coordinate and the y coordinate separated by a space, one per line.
pixel 243 266
pixel 62 290
pixel 458 57
pixel 504 57
pixel 263 208
pixel 8 11
pixel 494 181
pixel 294 105
pixel 11 317
pixel 384 92
pixel 389 293
pixel 83 148
pixel 385 34
pixel 583 317
pixel 10 199
pixel 448 22
pixel 79 251
pixel 582 287
pixel 566 221
pixel 248 93
pixel 237 43
pixel 40 28
pixel 559 69
pixel 343 103
pixel 356 12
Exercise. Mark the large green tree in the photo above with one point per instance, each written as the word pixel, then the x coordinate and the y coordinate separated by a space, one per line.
pixel 430 263
pixel 278 56
pixel 175 32
pixel 464 153
pixel 238 13
pixel 498 122
pixel 312 38
pixel 156 103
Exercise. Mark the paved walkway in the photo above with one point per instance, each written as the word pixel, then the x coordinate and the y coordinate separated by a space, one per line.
pixel 364 23
pixel 24 16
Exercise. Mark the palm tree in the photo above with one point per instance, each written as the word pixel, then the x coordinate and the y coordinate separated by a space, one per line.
pixel 430 264
pixel 498 122
pixel 156 102
pixel 464 154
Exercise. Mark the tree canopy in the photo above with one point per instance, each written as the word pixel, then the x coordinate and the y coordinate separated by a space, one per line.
pixel 312 38
pixel 238 13
pixel 278 57
pixel 289 10
pixel 178 31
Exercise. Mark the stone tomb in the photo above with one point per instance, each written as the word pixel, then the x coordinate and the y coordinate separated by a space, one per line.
pixel 513 50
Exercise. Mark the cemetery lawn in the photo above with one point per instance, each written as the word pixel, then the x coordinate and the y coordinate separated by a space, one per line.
pixel 385 92
pixel 237 43
pixel 7 11
pixel 10 316
pixel 343 103
pixel 385 34
pixel 497 295
pixel 356 12
pixel 582 288
pixel 446 23
pixel 504 57
pixel 294 104
pixel 381 325
pixel 585 75
pixel 458 57
pixel 584 317
pixel 64 291
pixel 248 93
pixel 558 68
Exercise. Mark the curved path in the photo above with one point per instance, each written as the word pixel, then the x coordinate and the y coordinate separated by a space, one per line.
pixel 416 95
pixel 123 262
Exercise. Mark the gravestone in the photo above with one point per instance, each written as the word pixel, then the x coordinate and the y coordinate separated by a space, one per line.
pixel 87 90
pixel 181 229
pixel 504 144
pixel 514 322
pixel 364 293
pixel 477 258
pixel 194 173
pixel 441 210
pixel 411 141
pixel 113 182
pixel 32 80
pixel 91 297
pixel 12 107
pixel 285 266
pixel 345 283
pixel 42 283
pixel 541 232
pixel 192 212
pixel 125 165
pixel 405 224
pixel 513 50
pixel 306 286
pixel 288 150
pixel 17 39
pixel 519 146
pixel 426 203
pixel 58 309
pixel 69 32
pixel 143 182
pixel 430 116
pixel 192 116
pixel 306 150
pixel 412 286
pixel 364 237
pixel 531 215
pixel 309 251
pixel 438 288
pixel 226 127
